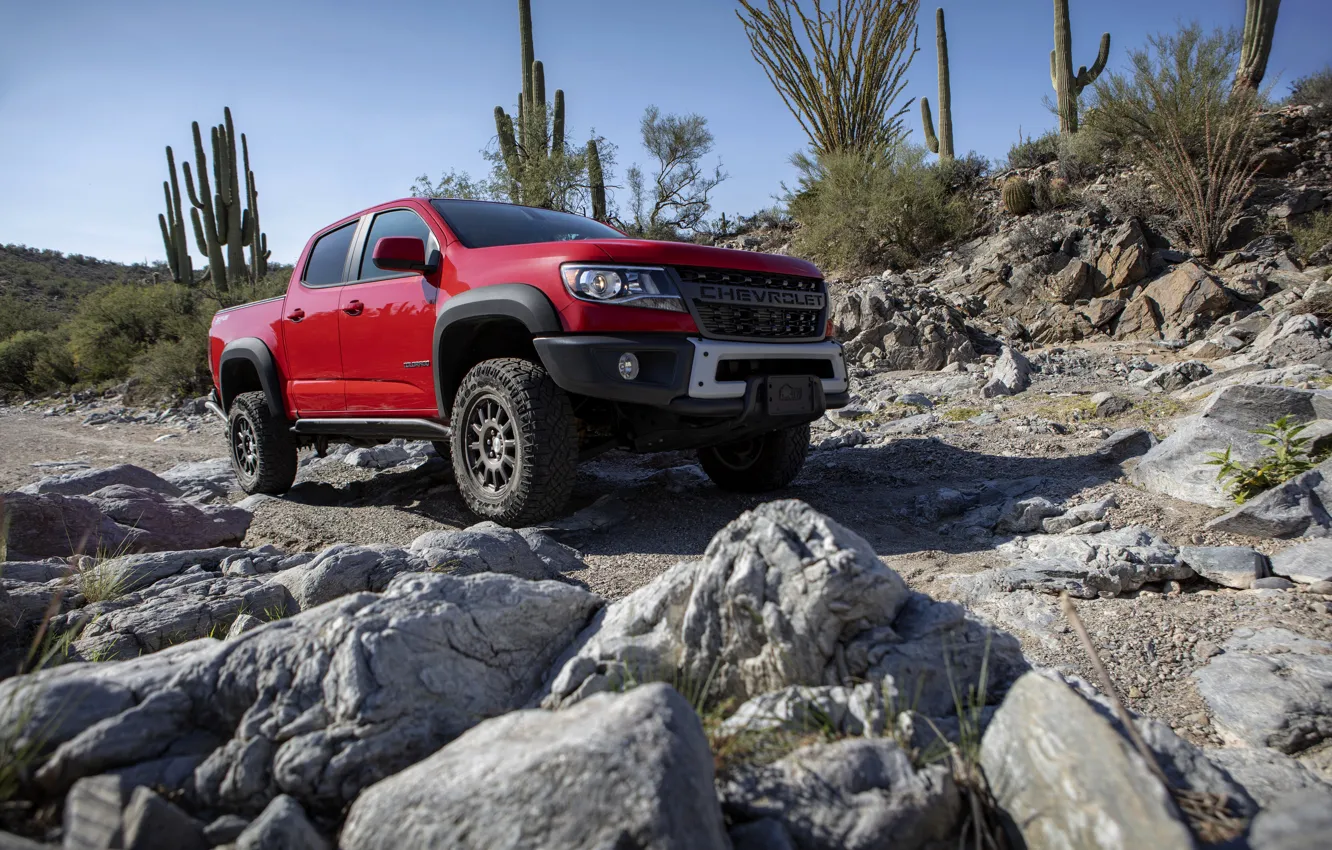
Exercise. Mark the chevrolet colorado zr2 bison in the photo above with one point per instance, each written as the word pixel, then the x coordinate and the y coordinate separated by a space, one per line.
pixel 522 341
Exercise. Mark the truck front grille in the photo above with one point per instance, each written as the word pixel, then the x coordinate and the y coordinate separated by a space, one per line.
pixel 724 320
pixel 720 319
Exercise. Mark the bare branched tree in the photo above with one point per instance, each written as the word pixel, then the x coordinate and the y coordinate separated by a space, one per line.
pixel 680 195
pixel 839 71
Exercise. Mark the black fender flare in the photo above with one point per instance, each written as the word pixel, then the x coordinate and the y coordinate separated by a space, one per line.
pixel 254 352
pixel 521 302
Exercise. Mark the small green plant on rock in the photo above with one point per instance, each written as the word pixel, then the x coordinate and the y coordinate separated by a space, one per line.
pixel 1287 457
pixel 1315 234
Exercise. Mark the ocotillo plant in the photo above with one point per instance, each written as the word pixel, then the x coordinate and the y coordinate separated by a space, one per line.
pixel 174 238
pixel 941 144
pixel 536 137
pixel 218 218
pixel 1068 85
pixel 1260 18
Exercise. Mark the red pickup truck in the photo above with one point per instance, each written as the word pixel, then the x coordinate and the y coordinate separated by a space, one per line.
pixel 522 341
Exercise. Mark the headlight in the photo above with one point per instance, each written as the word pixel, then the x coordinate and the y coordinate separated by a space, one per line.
pixel 631 286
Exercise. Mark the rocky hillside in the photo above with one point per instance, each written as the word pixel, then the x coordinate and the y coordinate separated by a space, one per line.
pixel 55 282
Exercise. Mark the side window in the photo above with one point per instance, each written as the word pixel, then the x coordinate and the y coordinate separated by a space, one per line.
pixel 329 256
pixel 391 223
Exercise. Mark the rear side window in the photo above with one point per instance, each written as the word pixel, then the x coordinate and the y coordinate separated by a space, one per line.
pixel 390 223
pixel 329 256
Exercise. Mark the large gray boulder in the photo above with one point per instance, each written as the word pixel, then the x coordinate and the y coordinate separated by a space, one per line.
pixel 1010 376
pixel 488 548
pixel 203 480
pixel 191 605
pixel 782 596
pixel 631 770
pixel 854 794
pixel 87 481
pixel 318 706
pixel 1270 688
pixel 1306 563
pixel 1178 466
pixel 343 569
pixel 135 572
pixel 1066 778
pixel 1108 563
pixel 281 826
pixel 1302 507
pixel 118 519
pixel 1229 566
pixel 1266 775
pixel 1300 821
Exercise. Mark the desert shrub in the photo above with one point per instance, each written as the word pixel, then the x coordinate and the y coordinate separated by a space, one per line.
pixel 1030 153
pixel 1287 457
pixel 1174 114
pixel 1083 154
pixel 17 315
pixel 863 212
pixel 35 361
pixel 1313 90
pixel 119 323
pixel 1313 234
pixel 176 367
pixel 270 285
pixel 963 172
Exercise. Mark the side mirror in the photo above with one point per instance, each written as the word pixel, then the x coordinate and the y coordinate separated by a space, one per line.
pixel 403 254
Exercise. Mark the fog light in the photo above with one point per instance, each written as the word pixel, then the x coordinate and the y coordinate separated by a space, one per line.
pixel 628 366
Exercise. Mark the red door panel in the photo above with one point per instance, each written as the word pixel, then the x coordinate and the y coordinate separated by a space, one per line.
pixel 314 354
pixel 387 330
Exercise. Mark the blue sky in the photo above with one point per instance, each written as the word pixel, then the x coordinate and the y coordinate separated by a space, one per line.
pixel 346 103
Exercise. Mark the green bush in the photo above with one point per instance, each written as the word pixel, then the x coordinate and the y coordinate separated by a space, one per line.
pixel 34 362
pixel 1314 234
pixel 1313 90
pixel 864 212
pixel 117 324
pixel 1287 456
pixel 16 315
pixel 1030 153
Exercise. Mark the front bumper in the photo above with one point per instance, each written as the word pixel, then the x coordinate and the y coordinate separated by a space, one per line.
pixel 689 376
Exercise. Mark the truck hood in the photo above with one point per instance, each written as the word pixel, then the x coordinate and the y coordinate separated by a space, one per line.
pixel 649 252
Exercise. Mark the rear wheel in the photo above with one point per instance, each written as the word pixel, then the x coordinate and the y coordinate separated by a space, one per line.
pixel 263 453
pixel 514 445
pixel 767 462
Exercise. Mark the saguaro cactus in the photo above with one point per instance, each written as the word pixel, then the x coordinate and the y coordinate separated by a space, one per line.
pixel 941 144
pixel 1260 18
pixel 174 238
pixel 1068 85
pixel 538 131
pixel 596 180
pixel 218 217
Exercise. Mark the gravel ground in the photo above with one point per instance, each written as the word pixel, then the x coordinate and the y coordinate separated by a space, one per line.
pixel 1151 641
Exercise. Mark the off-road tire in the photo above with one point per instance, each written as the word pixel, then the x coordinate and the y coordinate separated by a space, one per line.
pixel 262 450
pixel 767 462
pixel 544 442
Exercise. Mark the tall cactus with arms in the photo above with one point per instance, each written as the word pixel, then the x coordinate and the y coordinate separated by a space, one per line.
pixel 527 140
pixel 941 144
pixel 1260 18
pixel 221 222
pixel 1068 85
pixel 174 238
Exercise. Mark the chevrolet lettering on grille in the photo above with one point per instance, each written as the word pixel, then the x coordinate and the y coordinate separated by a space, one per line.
pixel 751 295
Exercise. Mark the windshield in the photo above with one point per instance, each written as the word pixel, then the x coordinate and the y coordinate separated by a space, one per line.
pixel 484 225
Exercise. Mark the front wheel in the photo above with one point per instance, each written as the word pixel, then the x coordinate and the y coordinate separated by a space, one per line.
pixel 514 444
pixel 767 462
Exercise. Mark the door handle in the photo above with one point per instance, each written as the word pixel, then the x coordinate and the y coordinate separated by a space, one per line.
pixel 296 315
pixel 354 308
